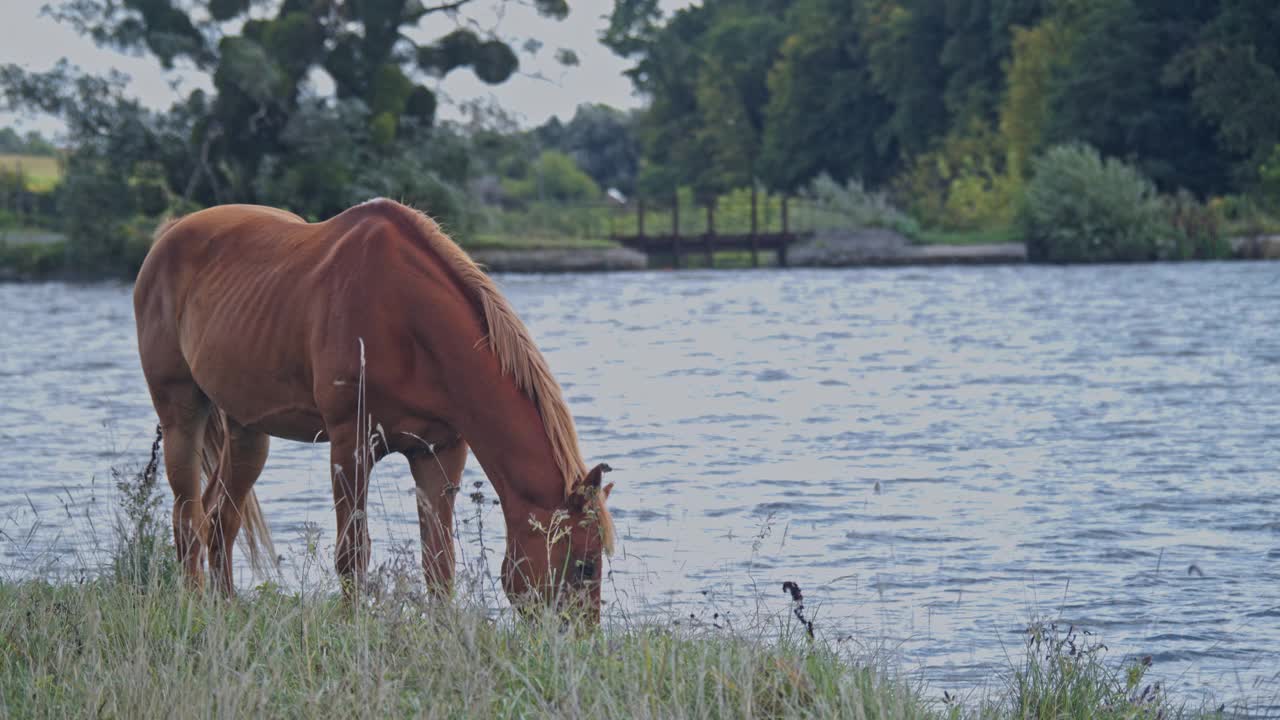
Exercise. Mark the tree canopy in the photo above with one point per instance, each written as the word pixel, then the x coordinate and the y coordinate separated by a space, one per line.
pixel 894 92
pixel 261 127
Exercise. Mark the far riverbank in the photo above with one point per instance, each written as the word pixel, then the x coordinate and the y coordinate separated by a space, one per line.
pixel 36 257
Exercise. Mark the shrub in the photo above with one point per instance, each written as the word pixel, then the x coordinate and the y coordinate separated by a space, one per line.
pixel 1080 207
pixel 1065 674
pixel 554 177
pixel 962 184
pixel 858 207
pixel 144 553
pixel 36 260
pixel 1197 230
pixel 1269 180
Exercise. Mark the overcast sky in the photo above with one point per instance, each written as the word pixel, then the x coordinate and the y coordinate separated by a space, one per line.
pixel 542 89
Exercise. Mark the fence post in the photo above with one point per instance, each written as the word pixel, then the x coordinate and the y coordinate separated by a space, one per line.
pixel 675 230
pixel 755 241
pixel 786 235
pixel 711 232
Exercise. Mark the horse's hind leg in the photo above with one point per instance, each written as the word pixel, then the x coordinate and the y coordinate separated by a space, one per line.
pixel 224 498
pixel 183 410
pixel 438 475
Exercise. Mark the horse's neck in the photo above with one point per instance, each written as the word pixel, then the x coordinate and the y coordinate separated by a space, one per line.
pixel 517 459
pixel 505 431
pixel 495 417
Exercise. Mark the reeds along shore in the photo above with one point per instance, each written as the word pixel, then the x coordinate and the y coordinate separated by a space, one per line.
pixel 131 642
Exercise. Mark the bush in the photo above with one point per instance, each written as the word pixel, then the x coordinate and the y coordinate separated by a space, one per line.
pixel 858 206
pixel 144 553
pixel 1080 207
pixel 36 260
pixel 1269 181
pixel 1197 230
pixel 963 184
pixel 554 177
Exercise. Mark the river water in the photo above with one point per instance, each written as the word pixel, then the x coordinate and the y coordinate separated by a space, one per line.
pixel 936 456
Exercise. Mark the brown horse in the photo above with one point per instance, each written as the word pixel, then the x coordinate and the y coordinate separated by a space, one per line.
pixel 375 332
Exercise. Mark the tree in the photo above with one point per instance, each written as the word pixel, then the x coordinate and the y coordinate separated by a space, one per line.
pixel 1114 93
pixel 260 54
pixel 978 46
pixel 116 165
pixel 601 140
pixel 33 143
pixel 1037 53
pixel 705 73
pixel 1233 71
pixel 554 178
pixel 903 40
pixel 825 114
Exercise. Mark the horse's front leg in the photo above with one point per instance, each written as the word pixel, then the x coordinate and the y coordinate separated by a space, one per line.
pixel 438 475
pixel 351 463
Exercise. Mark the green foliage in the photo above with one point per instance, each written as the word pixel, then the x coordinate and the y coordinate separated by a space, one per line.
pixel 33 143
pixel 1079 207
pixel 902 38
pixel 978 49
pixel 144 557
pixel 36 260
pixel 1024 113
pixel 858 207
pixel 1197 232
pixel 601 140
pixel 824 114
pixel 1114 92
pixel 881 89
pixel 1269 179
pixel 964 184
pixel 553 178
pixel 1233 69
pixel 706 72
pixel 260 66
pixel 1064 674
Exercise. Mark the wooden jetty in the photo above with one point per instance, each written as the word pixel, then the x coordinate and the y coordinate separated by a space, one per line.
pixel 709 242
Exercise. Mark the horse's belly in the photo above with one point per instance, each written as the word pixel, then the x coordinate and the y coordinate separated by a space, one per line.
pixel 279 406
pixel 298 425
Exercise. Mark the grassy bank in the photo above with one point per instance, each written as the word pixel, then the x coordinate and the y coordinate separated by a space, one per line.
pixel 110 649
pixel 128 641
pixel 968 237
pixel 104 649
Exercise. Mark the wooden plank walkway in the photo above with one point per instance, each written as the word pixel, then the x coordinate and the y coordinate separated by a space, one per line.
pixel 679 246
pixel 709 242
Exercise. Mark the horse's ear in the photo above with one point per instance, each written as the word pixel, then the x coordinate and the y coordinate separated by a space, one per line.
pixel 596 476
pixel 607 489
pixel 589 487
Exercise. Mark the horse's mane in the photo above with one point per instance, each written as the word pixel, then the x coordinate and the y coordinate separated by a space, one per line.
pixel 518 355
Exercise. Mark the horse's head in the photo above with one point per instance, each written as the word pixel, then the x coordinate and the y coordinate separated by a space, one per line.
pixel 556 558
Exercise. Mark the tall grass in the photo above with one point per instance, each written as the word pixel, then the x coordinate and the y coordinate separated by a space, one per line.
pixel 133 642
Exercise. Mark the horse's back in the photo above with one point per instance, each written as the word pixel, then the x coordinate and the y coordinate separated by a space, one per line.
pixel 270 315
pixel 225 235
pixel 228 298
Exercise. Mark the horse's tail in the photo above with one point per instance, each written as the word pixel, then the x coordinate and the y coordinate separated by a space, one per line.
pixel 215 462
